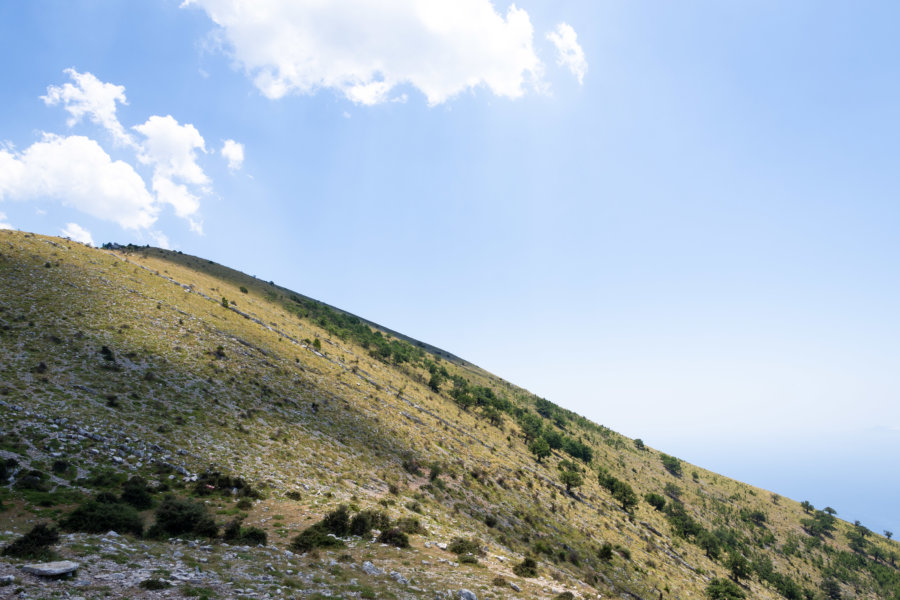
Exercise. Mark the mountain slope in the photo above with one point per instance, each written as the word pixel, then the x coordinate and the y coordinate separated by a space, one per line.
pixel 147 362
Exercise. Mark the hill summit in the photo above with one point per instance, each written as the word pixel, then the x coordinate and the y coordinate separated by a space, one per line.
pixel 175 428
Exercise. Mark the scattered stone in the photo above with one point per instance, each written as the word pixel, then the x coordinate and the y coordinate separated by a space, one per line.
pixel 7 580
pixel 52 569
pixel 370 569
pixel 399 578
pixel 466 595
pixel 514 587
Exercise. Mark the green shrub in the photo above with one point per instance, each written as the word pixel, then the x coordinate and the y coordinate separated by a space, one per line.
pixel 35 544
pixel 179 516
pixel 564 596
pixel 605 552
pixel 394 537
pixel 249 536
pixel 464 546
pixel 367 520
pixel 34 480
pixel 136 493
pixel 411 526
pixel 154 584
pixel 338 521
pixel 723 589
pixel 100 517
pixel 655 500
pixel 468 559
pixel 315 536
pixel 499 581
pixel 671 464
pixel 526 568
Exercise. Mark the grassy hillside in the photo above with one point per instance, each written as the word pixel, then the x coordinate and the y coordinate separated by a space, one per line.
pixel 264 405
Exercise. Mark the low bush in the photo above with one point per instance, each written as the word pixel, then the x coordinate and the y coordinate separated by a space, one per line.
pixel 526 568
pixel 179 516
pixel 35 544
pixel 464 546
pixel 154 584
pixel 248 536
pixel 34 480
pixel 394 537
pixel 136 493
pixel 338 521
pixel 315 536
pixel 411 526
pixel 367 520
pixel 99 516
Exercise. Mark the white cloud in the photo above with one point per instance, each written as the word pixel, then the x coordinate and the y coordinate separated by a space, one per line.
pixel 234 154
pixel 569 53
pixel 92 98
pixel 3 223
pixel 78 233
pixel 365 48
pixel 78 172
pixel 171 149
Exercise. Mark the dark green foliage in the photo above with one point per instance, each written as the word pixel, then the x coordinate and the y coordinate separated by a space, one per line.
pixel 315 536
pixel 722 589
pixel 756 517
pixel 247 536
pixel 682 523
pixel 214 482
pixel 540 448
pixel 821 523
pixel 411 526
pixel 553 438
pixel 154 584
pixel 620 490
pixel 224 301
pixel 136 493
pixel 35 544
pixel 243 290
pixel 655 500
pixel 464 546
pixel 831 589
pixel 578 449
pixel 104 479
pixel 468 559
pixel 526 568
pixel 394 537
pixel 709 543
pixel 349 327
pixel 531 426
pixel 34 480
pixel 367 520
pixel 100 517
pixel 737 565
pixel 6 469
pixel 605 552
pixel 671 464
pixel 807 506
pixel 571 479
pixel 639 444
pixel 180 516
pixel 337 521
pixel 564 596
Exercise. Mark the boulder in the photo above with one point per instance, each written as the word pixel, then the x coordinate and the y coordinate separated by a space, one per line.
pixel 61 568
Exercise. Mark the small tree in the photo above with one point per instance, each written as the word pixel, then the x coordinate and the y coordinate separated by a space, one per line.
pixel 738 565
pixel 807 506
pixel 540 448
pixel 224 301
pixel 888 534
pixel 722 589
pixel 671 464
pixel 571 479
pixel 639 444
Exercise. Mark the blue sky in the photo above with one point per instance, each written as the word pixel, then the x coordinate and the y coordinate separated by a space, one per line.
pixel 688 233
